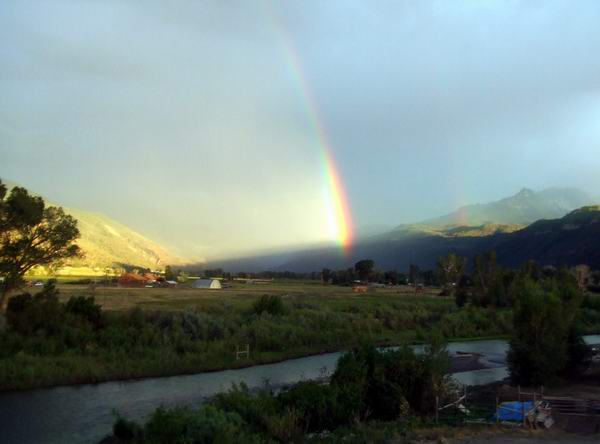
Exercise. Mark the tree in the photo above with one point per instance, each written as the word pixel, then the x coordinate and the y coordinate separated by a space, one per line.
pixel 169 274
pixel 414 274
pixel 326 275
pixel 546 340
pixel 182 277
pixel 538 345
pixel 364 269
pixel 449 271
pixel 582 275
pixel 391 277
pixel 31 235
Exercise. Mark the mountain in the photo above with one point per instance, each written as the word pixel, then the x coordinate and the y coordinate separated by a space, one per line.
pixel 107 243
pixel 524 208
pixel 571 240
pixel 568 241
pixel 560 235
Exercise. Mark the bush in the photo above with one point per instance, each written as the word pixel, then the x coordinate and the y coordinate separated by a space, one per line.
pixel 254 409
pixel 272 304
pixel 85 308
pixel 322 407
pixel 206 425
pixel 126 430
pixel 198 325
pixel 41 314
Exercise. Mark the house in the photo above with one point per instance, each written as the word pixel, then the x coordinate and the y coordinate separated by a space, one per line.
pixel 150 278
pixel 212 284
pixel 132 280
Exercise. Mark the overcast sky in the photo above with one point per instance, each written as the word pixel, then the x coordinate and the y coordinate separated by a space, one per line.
pixel 186 120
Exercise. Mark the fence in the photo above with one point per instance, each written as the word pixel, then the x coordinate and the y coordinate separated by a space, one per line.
pixel 518 407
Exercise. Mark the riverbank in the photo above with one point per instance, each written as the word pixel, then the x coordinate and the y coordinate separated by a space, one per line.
pixel 100 372
pixel 186 332
pixel 191 331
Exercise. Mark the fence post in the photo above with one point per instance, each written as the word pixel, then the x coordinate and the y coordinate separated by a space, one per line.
pixel 437 409
pixel 497 410
pixel 522 407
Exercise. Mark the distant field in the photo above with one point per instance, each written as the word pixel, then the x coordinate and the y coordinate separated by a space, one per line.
pixel 241 296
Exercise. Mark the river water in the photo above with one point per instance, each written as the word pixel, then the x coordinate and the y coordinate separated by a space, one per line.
pixel 84 414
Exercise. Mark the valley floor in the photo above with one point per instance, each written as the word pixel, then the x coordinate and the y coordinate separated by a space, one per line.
pixel 162 332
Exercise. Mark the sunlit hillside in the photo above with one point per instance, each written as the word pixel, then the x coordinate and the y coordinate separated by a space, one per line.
pixel 108 243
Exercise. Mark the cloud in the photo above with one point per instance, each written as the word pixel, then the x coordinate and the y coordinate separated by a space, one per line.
pixel 187 120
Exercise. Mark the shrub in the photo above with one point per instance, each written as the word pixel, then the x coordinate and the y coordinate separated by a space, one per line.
pixel 183 425
pixel 85 308
pixel 126 430
pixel 42 313
pixel 254 409
pixel 272 304
pixel 198 325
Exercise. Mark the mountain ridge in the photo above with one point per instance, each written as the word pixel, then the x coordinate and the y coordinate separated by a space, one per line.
pixel 422 244
pixel 524 208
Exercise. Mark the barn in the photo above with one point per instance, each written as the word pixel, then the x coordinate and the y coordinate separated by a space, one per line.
pixel 132 280
pixel 212 284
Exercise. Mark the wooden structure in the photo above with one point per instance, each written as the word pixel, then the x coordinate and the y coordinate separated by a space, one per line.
pixel 132 280
pixel 242 352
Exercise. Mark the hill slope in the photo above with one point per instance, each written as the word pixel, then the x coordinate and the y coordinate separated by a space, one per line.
pixel 107 243
pixel 571 240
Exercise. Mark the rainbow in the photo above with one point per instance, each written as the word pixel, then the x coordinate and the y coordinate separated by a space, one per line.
pixel 337 207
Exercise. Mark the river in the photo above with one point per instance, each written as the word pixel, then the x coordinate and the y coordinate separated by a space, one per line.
pixel 84 413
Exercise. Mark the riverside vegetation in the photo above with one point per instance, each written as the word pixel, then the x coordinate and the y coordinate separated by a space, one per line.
pixel 51 339
pixel 54 339
pixel 375 396
pixel 367 386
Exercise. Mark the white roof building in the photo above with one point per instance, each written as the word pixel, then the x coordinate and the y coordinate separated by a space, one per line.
pixel 212 284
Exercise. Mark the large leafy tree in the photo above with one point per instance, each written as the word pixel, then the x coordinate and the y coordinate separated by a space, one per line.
pixel 546 340
pixel 31 235
pixel 364 269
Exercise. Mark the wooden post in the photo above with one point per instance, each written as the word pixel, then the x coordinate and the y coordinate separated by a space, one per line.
pixel 239 353
pixel 522 406
pixel 497 410
pixel 437 409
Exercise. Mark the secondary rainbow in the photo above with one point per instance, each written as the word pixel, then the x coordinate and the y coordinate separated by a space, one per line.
pixel 339 217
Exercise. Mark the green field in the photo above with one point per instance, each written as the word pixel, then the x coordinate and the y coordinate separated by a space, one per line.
pixel 153 331
pixel 242 295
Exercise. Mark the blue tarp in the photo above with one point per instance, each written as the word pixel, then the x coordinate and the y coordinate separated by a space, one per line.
pixel 513 411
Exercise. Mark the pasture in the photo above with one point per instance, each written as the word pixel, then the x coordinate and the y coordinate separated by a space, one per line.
pixel 242 295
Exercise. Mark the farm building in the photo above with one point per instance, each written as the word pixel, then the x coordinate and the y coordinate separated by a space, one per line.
pixel 132 280
pixel 213 284
pixel 150 278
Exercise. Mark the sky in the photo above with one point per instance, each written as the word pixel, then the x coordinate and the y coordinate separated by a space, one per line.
pixel 205 124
